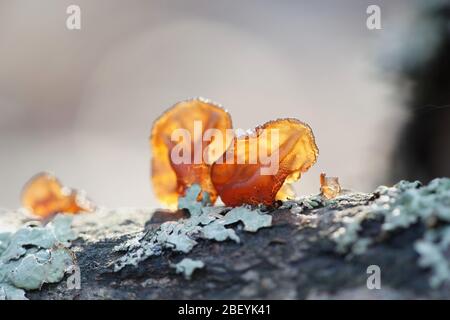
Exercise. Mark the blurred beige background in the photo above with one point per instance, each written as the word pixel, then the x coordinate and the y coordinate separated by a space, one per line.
pixel 81 103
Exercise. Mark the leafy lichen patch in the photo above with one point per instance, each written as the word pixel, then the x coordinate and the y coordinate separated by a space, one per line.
pixel 190 203
pixel 399 207
pixel 414 203
pixel 217 231
pixel 347 236
pixel 303 203
pixel 433 251
pixel 253 220
pixel 4 241
pixel 33 256
pixel 187 267
pixel 204 222
pixel 345 199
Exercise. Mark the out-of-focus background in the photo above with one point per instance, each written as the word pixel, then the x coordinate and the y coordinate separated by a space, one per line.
pixel 81 103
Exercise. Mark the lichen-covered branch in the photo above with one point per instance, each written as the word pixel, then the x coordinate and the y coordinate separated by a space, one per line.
pixel 308 248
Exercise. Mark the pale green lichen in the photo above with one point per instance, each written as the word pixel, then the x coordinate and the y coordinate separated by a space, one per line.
pixel 253 220
pixel 427 203
pixel 43 267
pixel 400 207
pixel 303 203
pixel 348 198
pixel 187 267
pixel 4 241
pixel 33 256
pixel 347 236
pixel 9 292
pixel 217 231
pixel 205 222
pixel 176 236
pixel 433 251
pixel 315 201
pixel 190 203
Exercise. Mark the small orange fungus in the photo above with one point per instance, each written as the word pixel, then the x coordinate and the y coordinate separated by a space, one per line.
pixel 329 186
pixel 259 167
pixel 44 196
pixel 184 147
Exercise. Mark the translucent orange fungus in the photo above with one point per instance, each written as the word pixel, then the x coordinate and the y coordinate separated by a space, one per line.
pixel 44 196
pixel 329 186
pixel 259 167
pixel 185 141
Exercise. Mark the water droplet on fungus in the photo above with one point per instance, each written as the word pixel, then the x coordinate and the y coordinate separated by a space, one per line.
pixel 329 186
pixel 285 149
pixel 184 146
pixel 44 196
